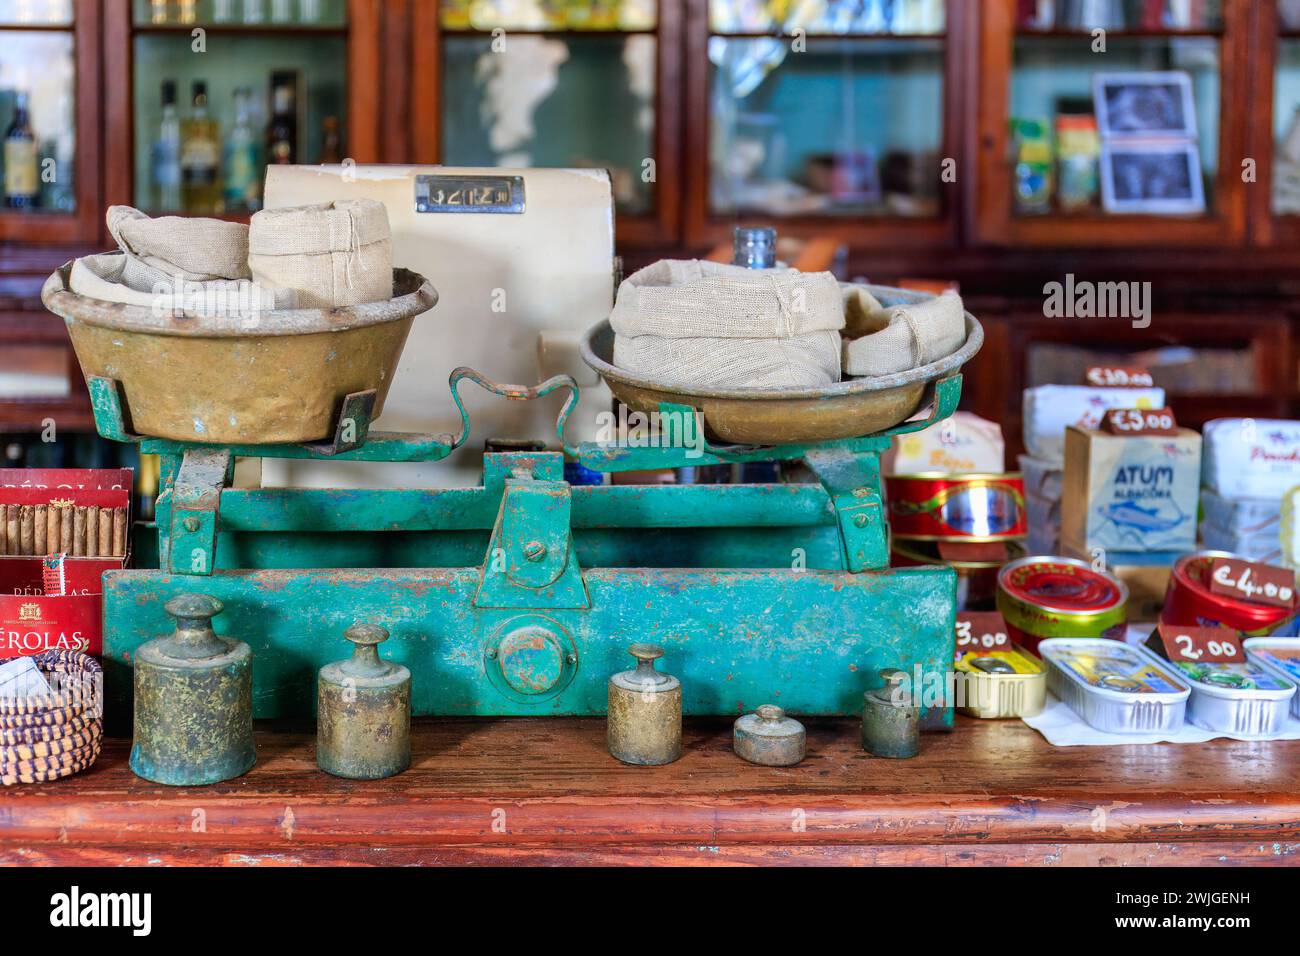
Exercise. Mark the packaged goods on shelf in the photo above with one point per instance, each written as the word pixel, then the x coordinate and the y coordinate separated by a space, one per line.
pixel 1043 483
pixel 1250 527
pixel 1251 458
pixel 1050 409
pixel 963 443
pixel 1130 493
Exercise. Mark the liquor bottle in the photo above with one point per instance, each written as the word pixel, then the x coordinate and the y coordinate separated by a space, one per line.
pixel 282 130
pixel 22 184
pixel 200 157
pixel 167 154
pixel 331 146
pixel 243 181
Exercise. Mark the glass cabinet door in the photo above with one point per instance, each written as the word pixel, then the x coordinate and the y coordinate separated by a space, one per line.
pixel 39 104
pixel 827 108
pixel 1105 113
pixel 222 88
pixel 1285 194
pixel 571 84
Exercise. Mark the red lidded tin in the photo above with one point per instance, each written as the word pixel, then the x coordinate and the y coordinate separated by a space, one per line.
pixel 1189 602
pixel 1042 597
pixel 974 507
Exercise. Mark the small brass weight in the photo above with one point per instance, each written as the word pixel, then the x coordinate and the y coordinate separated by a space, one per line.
pixel 891 719
pixel 645 711
pixel 193 700
pixel 363 712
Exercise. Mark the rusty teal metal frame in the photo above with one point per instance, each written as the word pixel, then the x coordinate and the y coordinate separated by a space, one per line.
pixel 521 595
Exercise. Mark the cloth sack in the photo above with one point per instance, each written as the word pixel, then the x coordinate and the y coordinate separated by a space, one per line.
pixel 118 277
pixel 161 249
pixel 902 337
pixel 331 254
pixel 705 323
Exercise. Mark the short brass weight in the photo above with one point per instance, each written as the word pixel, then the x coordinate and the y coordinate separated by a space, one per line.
pixel 193 700
pixel 891 719
pixel 645 711
pixel 363 712
pixel 769 738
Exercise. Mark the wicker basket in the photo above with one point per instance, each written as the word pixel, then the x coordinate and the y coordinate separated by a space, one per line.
pixel 48 736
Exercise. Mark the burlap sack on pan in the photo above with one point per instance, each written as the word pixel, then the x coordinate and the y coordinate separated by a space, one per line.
pixel 331 254
pixel 902 337
pixel 159 250
pixel 704 323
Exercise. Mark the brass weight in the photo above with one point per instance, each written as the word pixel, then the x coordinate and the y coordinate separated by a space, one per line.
pixel 644 724
pixel 891 719
pixel 193 701
pixel 769 738
pixel 363 716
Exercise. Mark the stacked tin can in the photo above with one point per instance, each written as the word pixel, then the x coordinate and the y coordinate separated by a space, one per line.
pixel 972 522
pixel 1052 597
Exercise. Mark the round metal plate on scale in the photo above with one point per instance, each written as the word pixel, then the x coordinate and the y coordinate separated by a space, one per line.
pixel 530 658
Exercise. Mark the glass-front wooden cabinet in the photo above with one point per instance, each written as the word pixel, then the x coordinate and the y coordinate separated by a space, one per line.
pixel 827 117
pixel 218 89
pixel 1115 122
pixel 591 83
pixel 1275 138
pixel 48 117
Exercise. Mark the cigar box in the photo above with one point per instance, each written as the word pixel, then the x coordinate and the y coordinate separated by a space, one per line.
pixel 53 599
pixel 1130 494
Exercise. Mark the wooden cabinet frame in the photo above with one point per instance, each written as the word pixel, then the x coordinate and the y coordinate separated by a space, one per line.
pixel 81 225
pixel 992 218
pixel 1266 228
pixel 658 227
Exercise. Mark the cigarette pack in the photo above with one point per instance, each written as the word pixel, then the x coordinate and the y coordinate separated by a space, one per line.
pixel 50 578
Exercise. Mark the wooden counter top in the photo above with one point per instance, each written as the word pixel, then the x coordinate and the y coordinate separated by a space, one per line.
pixel 545 791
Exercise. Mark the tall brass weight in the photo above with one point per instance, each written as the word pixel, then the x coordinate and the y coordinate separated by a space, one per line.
pixel 193 701
pixel 645 711
pixel 363 714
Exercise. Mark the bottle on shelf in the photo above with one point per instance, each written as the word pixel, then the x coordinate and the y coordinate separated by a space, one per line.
pixel 331 144
pixel 22 181
pixel 282 130
pixel 200 157
pixel 239 159
pixel 167 154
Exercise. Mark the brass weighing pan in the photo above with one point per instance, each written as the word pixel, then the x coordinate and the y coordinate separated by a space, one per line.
pixel 766 416
pixel 252 378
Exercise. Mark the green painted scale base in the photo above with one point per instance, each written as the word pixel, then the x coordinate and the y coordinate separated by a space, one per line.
pixel 521 596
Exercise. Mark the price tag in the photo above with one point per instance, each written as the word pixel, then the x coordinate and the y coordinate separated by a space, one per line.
pixel 1140 421
pixel 1199 645
pixel 1251 581
pixel 979 632
pixel 1118 376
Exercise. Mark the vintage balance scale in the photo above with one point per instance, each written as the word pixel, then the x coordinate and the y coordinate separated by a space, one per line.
pixel 520 595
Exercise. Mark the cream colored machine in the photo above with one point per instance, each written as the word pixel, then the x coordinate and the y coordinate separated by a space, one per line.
pixel 523 261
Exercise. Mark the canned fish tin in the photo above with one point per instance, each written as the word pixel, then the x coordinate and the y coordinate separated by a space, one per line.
pixel 935 506
pixel 1189 602
pixel 1280 656
pixel 1242 699
pixel 1002 683
pixel 1113 686
pixel 1042 597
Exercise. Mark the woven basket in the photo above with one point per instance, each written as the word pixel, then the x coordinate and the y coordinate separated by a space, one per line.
pixel 48 736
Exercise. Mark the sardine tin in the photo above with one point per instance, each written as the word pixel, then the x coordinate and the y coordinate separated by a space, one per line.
pixel 1042 597
pixel 1115 687
pixel 1242 699
pixel 1280 656
pixel 1002 683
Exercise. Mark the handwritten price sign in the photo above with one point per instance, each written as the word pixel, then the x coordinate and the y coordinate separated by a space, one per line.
pixel 979 632
pixel 1140 421
pixel 1117 376
pixel 1250 581
pixel 1198 645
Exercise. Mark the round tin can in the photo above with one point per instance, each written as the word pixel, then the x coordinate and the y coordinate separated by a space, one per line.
pixel 768 737
pixel 1189 602
pixel 1043 596
pixel 933 506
